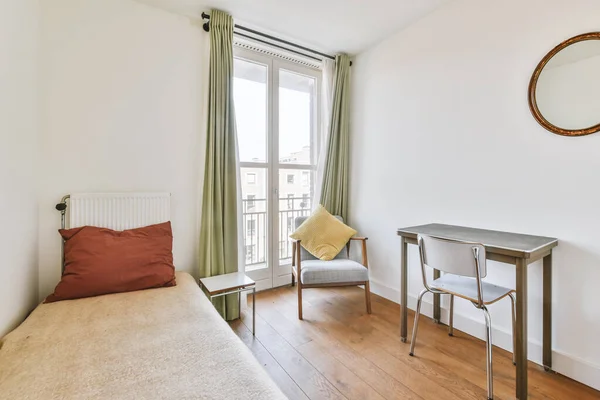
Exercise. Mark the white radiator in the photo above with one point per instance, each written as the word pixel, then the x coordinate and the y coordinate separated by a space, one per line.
pixel 119 211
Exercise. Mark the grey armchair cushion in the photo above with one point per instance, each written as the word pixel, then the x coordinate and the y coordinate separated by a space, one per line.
pixel 315 272
pixel 305 255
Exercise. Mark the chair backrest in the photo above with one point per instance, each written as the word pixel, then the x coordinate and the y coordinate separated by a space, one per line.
pixel 305 255
pixel 452 256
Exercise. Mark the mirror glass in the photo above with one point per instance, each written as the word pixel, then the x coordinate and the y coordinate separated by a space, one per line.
pixel 568 87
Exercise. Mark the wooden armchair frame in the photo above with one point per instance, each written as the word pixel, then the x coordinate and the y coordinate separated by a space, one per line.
pixel 297 276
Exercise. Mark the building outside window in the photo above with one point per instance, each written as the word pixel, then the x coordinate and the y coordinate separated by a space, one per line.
pixel 290 178
pixel 305 199
pixel 251 227
pixel 251 203
pixel 250 253
pixel 251 178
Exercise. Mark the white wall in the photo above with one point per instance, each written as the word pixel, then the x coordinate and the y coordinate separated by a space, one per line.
pixel 122 109
pixel 441 132
pixel 18 154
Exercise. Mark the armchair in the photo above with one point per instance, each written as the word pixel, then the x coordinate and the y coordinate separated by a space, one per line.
pixel 310 272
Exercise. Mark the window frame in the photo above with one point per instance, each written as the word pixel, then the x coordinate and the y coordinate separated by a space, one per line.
pixel 278 270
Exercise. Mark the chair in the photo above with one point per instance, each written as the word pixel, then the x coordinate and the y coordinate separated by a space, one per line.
pixel 464 265
pixel 310 272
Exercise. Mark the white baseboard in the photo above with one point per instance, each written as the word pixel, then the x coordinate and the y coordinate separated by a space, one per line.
pixel 565 364
pixel 282 280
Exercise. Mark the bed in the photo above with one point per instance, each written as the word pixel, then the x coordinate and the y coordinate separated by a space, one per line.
pixel 167 343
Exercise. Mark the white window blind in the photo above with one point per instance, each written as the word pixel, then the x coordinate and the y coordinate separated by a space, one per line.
pixel 262 48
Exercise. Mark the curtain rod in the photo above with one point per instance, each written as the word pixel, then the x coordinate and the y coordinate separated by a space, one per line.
pixel 243 28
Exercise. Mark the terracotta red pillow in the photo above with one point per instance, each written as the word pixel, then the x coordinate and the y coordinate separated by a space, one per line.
pixel 102 261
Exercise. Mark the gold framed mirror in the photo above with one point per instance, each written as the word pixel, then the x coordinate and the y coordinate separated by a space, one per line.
pixel 564 90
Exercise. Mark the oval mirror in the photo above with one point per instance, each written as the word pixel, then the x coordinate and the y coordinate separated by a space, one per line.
pixel 564 91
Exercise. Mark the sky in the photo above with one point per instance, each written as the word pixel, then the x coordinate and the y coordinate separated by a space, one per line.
pixel 251 116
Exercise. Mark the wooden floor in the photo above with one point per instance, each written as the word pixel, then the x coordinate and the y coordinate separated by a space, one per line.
pixel 340 352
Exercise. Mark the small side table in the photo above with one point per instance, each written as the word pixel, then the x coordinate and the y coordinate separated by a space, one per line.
pixel 237 282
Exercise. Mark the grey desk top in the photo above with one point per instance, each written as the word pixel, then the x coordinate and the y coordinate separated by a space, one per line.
pixel 513 244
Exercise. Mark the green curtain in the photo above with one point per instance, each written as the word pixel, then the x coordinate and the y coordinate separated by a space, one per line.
pixel 218 229
pixel 334 191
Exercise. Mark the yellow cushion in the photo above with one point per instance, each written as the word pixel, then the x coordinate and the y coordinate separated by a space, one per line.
pixel 323 235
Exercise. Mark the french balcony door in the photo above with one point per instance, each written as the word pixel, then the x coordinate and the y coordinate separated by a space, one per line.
pixel 277 115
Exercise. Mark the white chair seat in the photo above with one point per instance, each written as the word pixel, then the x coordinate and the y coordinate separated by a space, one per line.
pixel 466 288
pixel 314 272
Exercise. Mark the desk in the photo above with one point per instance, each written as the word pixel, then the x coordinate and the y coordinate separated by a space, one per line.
pixel 511 248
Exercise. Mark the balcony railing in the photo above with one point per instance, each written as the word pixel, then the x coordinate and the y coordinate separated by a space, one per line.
pixel 255 225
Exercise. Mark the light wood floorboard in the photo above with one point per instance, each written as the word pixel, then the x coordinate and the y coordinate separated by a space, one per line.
pixel 340 352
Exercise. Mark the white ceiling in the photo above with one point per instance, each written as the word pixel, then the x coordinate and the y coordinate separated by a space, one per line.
pixel 328 25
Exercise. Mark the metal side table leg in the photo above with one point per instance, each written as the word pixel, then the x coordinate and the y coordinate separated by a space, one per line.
pixel 254 311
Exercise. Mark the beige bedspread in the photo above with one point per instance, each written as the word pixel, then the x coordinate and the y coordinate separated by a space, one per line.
pixel 167 343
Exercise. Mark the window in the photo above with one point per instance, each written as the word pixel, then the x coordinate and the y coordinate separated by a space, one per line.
pixel 290 224
pixel 250 203
pixel 251 227
pixel 305 178
pixel 277 107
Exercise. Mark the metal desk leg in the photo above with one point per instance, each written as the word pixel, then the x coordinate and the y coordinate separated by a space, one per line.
pixel 254 311
pixel 437 309
pixel 403 289
pixel 547 343
pixel 521 329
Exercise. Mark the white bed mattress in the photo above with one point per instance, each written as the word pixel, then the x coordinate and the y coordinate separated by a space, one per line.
pixel 167 343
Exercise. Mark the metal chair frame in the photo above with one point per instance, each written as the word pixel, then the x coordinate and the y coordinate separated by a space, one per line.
pixel 480 304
